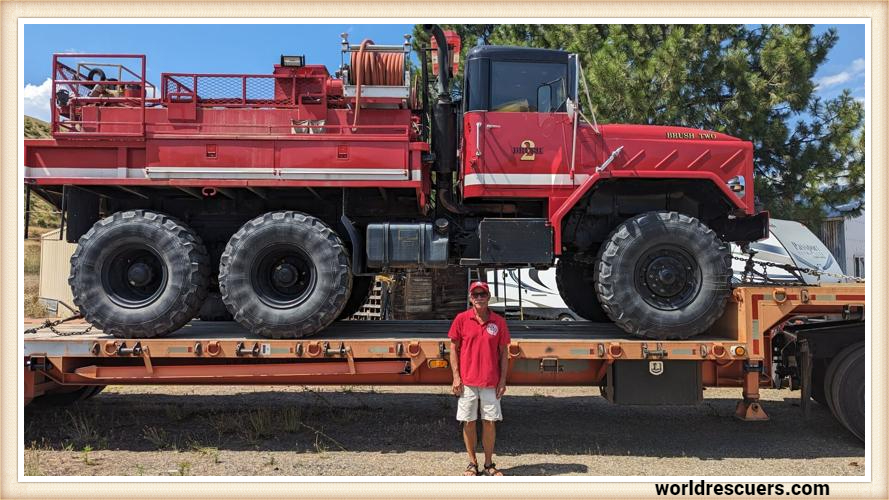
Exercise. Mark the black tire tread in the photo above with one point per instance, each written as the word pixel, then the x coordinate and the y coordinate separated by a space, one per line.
pixel 184 309
pixel 838 373
pixel 318 321
pixel 830 374
pixel 614 298
pixel 590 311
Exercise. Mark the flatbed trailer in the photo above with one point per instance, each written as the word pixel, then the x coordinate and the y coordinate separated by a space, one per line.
pixel 767 333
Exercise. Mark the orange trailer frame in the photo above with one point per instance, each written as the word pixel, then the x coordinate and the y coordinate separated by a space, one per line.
pixel 735 353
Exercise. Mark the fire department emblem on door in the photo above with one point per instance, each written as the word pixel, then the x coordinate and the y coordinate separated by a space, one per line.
pixel 528 150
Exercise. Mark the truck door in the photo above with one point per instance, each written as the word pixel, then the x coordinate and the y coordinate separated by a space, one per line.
pixel 523 139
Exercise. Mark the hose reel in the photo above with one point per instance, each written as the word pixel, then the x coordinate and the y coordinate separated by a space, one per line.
pixel 374 68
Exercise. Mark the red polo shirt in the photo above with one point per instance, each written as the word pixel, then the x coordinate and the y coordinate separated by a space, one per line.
pixel 479 347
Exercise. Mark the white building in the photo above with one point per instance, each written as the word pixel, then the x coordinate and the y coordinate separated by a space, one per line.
pixel 845 239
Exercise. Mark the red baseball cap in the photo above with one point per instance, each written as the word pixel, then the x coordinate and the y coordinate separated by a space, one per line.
pixel 479 284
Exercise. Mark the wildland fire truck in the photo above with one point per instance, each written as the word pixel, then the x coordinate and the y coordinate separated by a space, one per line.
pixel 280 196
pixel 289 191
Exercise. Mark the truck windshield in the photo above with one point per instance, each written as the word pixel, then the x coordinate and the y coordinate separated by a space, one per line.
pixel 515 86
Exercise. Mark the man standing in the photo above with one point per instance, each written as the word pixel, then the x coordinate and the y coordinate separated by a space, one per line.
pixel 479 361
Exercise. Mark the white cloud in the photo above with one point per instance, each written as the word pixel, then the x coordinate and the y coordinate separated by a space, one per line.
pixel 857 66
pixel 833 80
pixel 854 70
pixel 37 99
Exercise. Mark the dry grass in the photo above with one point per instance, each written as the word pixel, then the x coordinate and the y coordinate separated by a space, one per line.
pixel 32 256
pixel 159 438
pixel 33 307
pixel 32 462
pixel 294 431
pixel 81 429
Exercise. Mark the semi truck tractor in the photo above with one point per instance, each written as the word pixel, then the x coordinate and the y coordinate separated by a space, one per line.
pixel 282 194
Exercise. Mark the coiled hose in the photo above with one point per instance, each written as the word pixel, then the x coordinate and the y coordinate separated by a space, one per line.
pixel 374 68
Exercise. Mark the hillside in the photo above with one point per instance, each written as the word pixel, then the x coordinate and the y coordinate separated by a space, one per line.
pixel 42 213
pixel 36 129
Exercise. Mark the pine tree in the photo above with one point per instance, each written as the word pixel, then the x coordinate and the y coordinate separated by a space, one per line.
pixel 753 83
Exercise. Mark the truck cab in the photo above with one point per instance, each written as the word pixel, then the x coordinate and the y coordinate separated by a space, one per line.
pixel 517 130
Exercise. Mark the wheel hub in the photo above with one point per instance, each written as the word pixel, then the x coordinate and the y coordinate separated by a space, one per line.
pixel 139 274
pixel 134 275
pixel 285 275
pixel 667 277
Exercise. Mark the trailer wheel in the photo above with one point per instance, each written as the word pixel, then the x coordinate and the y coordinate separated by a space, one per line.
pixel 575 281
pixel 69 397
pixel 844 386
pixel 285 275
pixel 663 275
pixel 361 288
pixel 139 274
pixel 829 374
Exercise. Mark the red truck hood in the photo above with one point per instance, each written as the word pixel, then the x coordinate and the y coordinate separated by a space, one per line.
pixel 662 132
pixel 656 151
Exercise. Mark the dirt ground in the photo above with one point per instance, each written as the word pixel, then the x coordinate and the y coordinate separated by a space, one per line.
pixel 369 431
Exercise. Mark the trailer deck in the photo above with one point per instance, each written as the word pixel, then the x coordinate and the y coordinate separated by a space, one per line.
pixel 372 330
pixel 735 352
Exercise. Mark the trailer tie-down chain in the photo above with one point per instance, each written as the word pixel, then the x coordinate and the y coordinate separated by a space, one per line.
pixel 53 324
pixel 751 275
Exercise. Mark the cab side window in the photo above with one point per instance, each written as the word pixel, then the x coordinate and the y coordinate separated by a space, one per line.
pixel 528 87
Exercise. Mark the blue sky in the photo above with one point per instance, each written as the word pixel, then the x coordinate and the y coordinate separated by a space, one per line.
pixel 238 48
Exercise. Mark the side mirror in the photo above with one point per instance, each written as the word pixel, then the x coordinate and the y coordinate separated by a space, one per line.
pixel 570 107
pixel 544 98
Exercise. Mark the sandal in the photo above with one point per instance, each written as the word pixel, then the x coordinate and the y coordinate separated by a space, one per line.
pixel 471 470
pixel 490 470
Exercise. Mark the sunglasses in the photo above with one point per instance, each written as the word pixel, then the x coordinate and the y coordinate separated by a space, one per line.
pixel 479 295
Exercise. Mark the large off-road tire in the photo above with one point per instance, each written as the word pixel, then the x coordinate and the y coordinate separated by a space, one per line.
pixel 361 288
pixel 285 275
pixel 844 388
pixel 663 275
pixel 576 284
pixel 139 274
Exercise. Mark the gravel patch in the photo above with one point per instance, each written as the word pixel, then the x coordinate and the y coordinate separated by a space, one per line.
pixel 406 431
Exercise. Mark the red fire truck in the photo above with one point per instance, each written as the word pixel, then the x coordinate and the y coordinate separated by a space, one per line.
pixel 281 195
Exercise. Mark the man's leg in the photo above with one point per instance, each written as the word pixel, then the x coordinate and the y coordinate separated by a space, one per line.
pixel 470 437
pixel 491 413
pixel 489 435
pixel 467 412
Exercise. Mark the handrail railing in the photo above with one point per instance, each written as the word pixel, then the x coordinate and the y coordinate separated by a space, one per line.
pixel 242 90
pixel 322 131
pixel 73 88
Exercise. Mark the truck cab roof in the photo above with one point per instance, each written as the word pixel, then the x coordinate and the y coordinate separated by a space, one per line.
pixel 500 52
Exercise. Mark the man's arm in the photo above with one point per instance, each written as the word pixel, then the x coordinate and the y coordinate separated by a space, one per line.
pixel 504 368
pixel 455 367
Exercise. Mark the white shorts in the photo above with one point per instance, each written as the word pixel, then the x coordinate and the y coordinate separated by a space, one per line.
pixel 467 405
